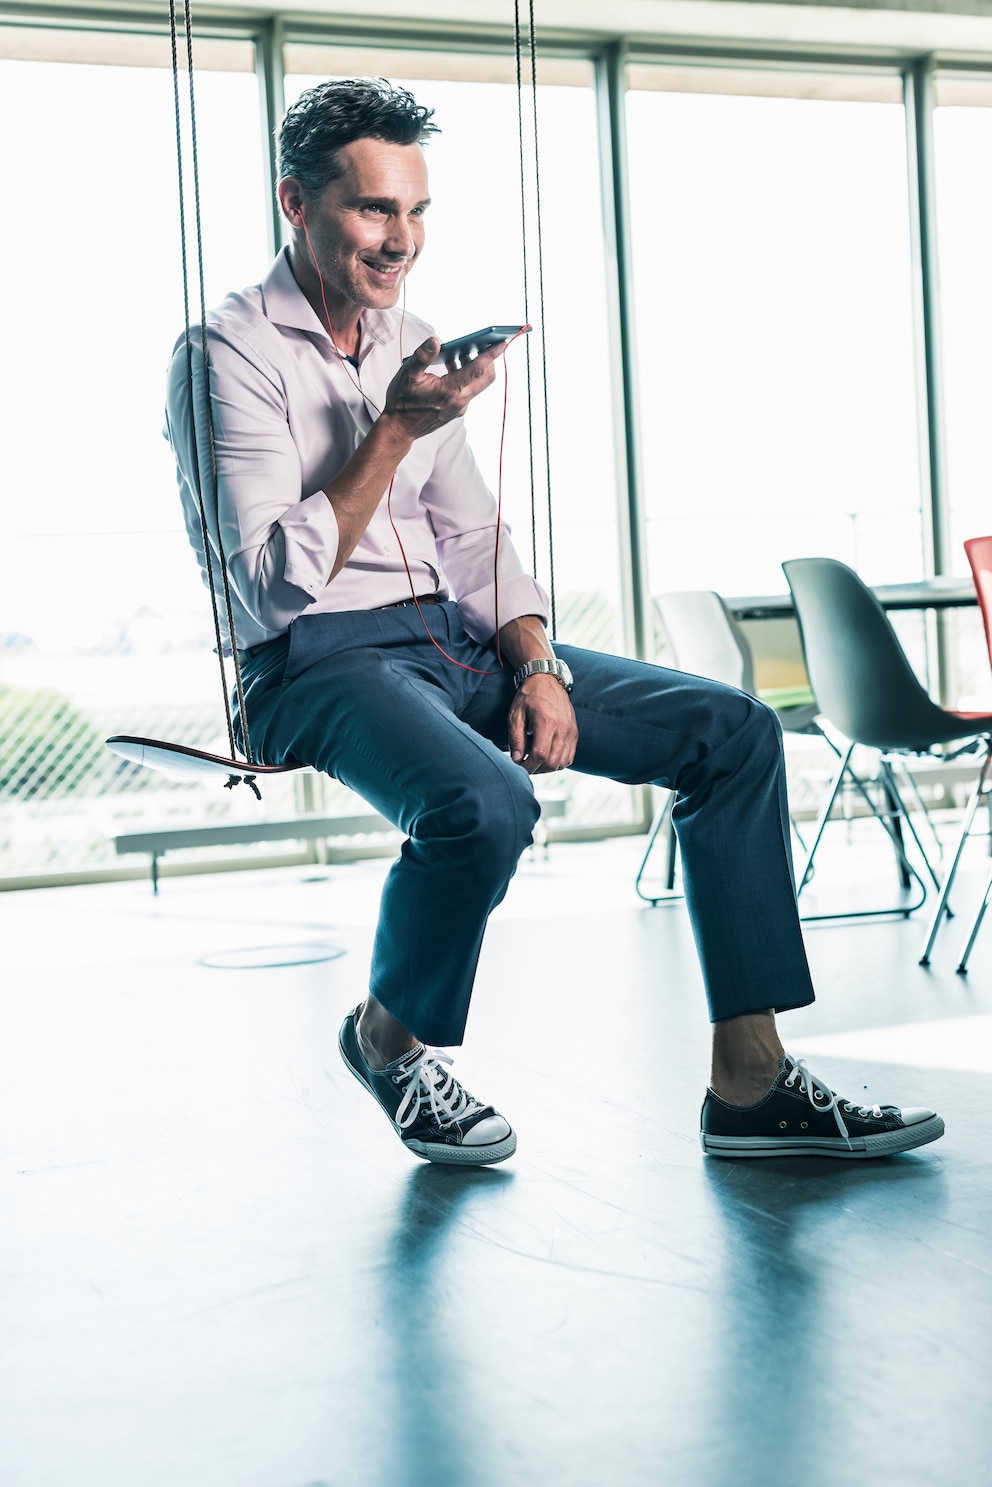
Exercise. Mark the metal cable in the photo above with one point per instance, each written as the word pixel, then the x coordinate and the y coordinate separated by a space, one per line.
pixel 204 533
pixel 544 345
pixel 225 576
pixel 211 441
pixel 518 53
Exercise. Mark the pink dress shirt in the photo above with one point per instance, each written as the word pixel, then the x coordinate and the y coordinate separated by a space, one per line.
pixel 288 415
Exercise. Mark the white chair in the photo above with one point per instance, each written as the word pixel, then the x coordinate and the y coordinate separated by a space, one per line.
pixel 705 639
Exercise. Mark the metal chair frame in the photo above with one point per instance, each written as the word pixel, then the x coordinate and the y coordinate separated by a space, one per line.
pixel 737 669
pixel 871 694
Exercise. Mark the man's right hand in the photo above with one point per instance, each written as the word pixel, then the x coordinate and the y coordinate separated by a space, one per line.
pixel 419 402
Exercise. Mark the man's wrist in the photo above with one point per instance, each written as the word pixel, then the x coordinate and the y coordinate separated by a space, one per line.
pixel 390 435
pixel 524 639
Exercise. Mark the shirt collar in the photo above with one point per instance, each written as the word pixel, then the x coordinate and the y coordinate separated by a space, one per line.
pixel 286 304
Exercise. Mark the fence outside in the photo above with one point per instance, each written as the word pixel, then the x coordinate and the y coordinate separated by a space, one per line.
pixel 64 796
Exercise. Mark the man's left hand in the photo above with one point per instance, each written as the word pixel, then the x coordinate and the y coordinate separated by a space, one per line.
pixel 542 728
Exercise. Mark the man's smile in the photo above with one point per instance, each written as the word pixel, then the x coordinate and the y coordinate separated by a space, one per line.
pixel 388 272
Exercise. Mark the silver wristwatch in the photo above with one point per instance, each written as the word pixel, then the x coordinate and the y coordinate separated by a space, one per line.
pixel 554 668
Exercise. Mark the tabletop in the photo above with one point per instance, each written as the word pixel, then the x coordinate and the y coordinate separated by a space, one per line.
pixel 943 592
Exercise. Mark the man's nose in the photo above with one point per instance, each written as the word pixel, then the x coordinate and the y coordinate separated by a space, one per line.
pixel 400 239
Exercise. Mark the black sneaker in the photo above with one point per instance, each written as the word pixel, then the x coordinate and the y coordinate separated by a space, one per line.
pixel 802 1117
pixel 432 1115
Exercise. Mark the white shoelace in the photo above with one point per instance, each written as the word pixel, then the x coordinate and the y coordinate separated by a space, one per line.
pixel 822 1097
pixel 431 1085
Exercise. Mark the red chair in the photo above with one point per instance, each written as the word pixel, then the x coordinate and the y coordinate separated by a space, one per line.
pixel 979 550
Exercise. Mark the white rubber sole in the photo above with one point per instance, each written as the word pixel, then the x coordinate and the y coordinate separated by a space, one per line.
pixel 886 1144
pixel 464 1156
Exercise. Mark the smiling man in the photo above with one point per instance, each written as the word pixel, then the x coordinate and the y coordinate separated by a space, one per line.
pixel 389 640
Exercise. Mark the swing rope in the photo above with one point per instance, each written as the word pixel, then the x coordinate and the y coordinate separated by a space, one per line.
pixel 211 439
pixel 518 55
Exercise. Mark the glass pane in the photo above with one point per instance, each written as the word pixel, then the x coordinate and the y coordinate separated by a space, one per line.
pixel 962 145
pixel 471 275
pixel 104 624
pixel 774 324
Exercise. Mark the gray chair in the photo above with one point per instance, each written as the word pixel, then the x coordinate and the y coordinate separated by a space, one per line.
pixel 706 640
pixel 868 690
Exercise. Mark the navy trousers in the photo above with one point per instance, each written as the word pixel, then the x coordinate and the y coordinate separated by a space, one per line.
pixel 365 696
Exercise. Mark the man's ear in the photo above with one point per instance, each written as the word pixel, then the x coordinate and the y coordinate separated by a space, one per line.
pixel 292 200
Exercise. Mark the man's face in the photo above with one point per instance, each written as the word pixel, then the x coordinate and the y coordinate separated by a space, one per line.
pixel 367 227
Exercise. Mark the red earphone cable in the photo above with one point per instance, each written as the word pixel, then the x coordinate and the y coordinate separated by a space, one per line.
pixel 479 671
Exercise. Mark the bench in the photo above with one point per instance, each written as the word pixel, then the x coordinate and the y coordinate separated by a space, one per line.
pixel 299 829
pixel 235 833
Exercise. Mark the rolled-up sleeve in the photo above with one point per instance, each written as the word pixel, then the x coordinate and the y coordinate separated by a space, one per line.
pixel 280 543
pixel 490 590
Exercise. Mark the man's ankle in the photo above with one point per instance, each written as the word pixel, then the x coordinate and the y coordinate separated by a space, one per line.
pixel 746 1058
pixel 381 1039
pixel 742 1088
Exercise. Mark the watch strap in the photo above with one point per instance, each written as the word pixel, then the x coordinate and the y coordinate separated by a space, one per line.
pixel 544 666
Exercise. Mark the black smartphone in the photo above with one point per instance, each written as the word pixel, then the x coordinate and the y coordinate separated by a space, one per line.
pixel 465 347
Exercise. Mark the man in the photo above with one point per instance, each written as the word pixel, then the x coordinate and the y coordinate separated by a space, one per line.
pixel 381 645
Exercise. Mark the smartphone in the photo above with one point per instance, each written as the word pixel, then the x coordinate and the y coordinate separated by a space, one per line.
pixel 465 347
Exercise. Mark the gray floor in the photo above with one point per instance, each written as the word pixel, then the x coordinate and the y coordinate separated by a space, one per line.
pixel 219 1269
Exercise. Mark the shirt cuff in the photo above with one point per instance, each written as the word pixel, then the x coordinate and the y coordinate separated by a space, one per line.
pixel 310 532
pixel 518 595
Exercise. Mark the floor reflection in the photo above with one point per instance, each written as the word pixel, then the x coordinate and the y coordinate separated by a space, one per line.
pixel 430 1401
pixel 787 1329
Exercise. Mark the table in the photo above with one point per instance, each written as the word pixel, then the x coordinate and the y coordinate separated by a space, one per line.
pixel 945 592
pixel 772 631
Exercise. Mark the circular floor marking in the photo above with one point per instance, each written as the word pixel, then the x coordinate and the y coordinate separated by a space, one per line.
pixel 269 957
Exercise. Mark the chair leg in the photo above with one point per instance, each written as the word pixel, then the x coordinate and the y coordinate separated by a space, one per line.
pixel 826 808
pixel 893 790
pixel 949 876
pixel 896 813
pixel 895 817
pixel 962 966
pixel 662 821
pixel 823 817
pixel 914 790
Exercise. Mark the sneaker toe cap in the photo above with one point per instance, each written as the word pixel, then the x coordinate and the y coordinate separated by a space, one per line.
pixel 487 1132
pixel 915 1115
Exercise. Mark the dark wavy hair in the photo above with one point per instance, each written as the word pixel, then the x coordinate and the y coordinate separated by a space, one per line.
pixel 333 114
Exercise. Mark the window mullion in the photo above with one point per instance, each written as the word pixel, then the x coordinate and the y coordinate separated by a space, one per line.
pixel 611 89
pixel 935 506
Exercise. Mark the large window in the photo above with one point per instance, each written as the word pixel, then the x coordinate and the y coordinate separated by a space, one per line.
pixel 471 275
pixel 104 623
pixel 778 400
pixel 770 228
pixel 962 148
